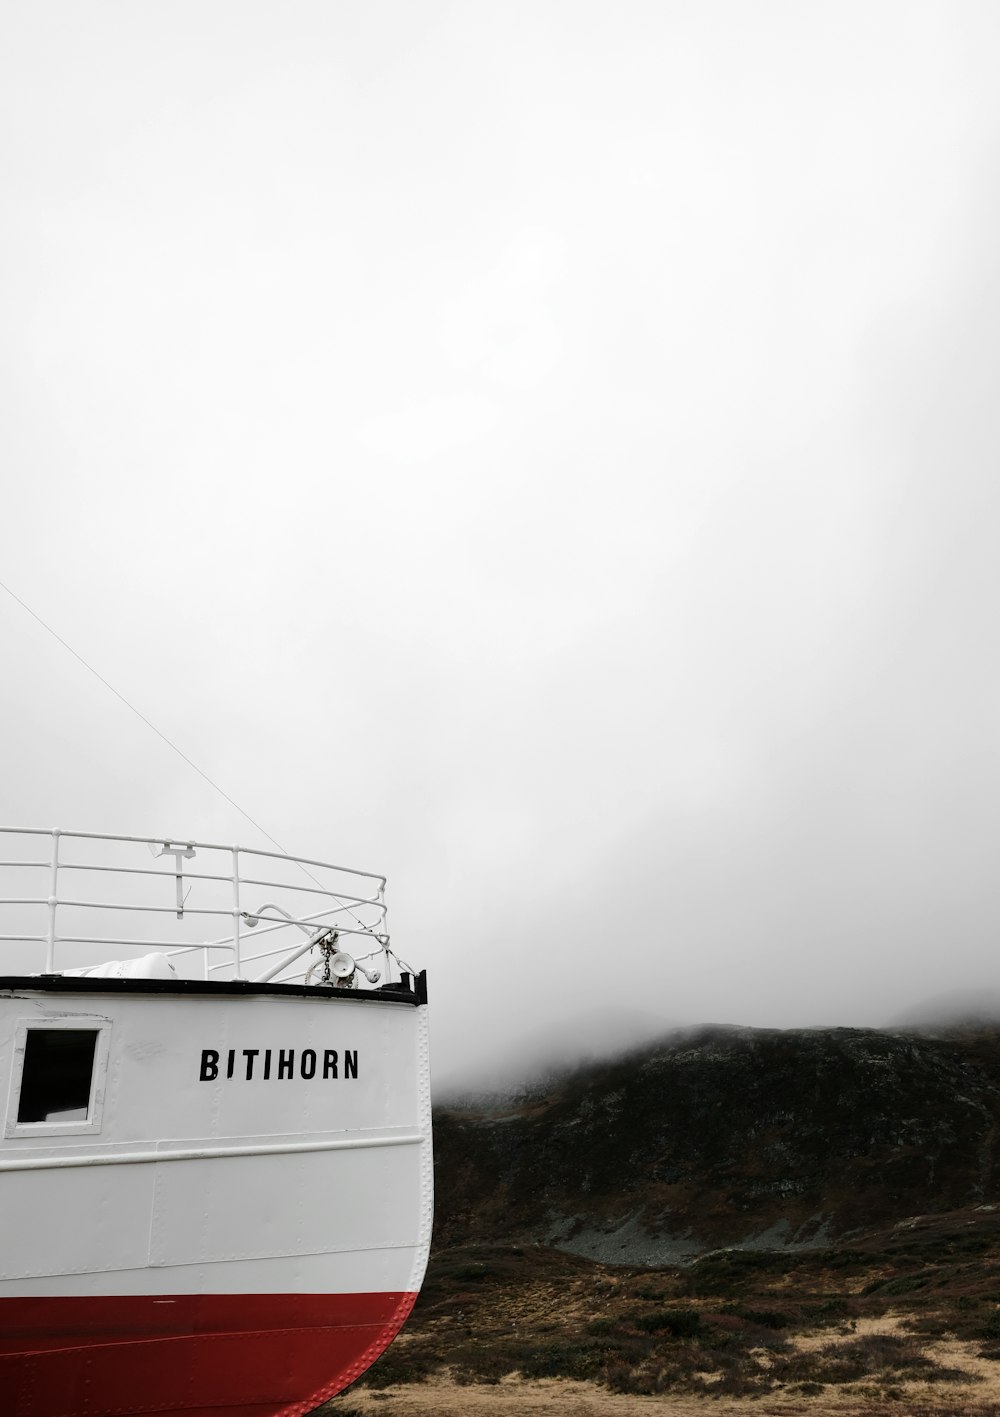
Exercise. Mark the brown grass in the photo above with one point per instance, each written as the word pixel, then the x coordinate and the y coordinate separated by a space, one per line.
pixel 906 1323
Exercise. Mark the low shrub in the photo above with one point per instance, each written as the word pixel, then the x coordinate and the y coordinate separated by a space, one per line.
pixel 765 1318
pixel 679 1323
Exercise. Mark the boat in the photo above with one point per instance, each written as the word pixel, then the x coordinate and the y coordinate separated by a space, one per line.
pixel 215 1166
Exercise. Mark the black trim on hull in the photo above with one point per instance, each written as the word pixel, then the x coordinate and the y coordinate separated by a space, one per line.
pixel 187 988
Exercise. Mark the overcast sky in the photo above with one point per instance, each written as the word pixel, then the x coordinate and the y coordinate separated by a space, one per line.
pixel 546 452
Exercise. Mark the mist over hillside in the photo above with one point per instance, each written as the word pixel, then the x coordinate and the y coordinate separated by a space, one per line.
pixel 956 1008
pixel 536 1057
pixel 532 1057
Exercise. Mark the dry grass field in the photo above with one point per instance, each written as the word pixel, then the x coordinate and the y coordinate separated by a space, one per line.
pixel 905 1322
pixel 551 1397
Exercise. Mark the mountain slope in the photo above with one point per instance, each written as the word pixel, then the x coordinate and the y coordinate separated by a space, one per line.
pixel 727 1137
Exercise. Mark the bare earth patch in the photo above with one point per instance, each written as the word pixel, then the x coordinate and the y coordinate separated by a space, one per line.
pixel 555 1397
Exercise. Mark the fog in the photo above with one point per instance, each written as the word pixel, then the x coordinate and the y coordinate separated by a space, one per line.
pixel 544 452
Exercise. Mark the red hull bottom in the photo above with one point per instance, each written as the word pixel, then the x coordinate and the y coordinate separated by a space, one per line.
pixel 203 1355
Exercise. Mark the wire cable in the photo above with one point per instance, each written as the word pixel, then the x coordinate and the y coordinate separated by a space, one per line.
pixel 145 720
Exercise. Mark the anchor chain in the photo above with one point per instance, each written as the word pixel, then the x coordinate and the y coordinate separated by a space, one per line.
pixel 328 948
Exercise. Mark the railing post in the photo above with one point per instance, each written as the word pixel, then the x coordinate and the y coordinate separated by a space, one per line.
pixel 50 948
pixel 237 922
pixel 386 952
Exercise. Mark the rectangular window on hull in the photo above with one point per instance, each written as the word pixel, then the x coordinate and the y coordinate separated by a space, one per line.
pixel 57 1075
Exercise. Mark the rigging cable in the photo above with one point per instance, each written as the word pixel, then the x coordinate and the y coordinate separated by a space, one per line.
pixel 144 719
pixel 178 751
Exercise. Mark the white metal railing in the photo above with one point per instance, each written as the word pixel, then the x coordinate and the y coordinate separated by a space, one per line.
pixel 73 892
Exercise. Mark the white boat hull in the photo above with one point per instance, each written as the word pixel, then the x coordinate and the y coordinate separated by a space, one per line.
pixel 247 1226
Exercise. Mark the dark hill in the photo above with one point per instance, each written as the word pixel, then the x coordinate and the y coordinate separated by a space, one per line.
pixel 727 1137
